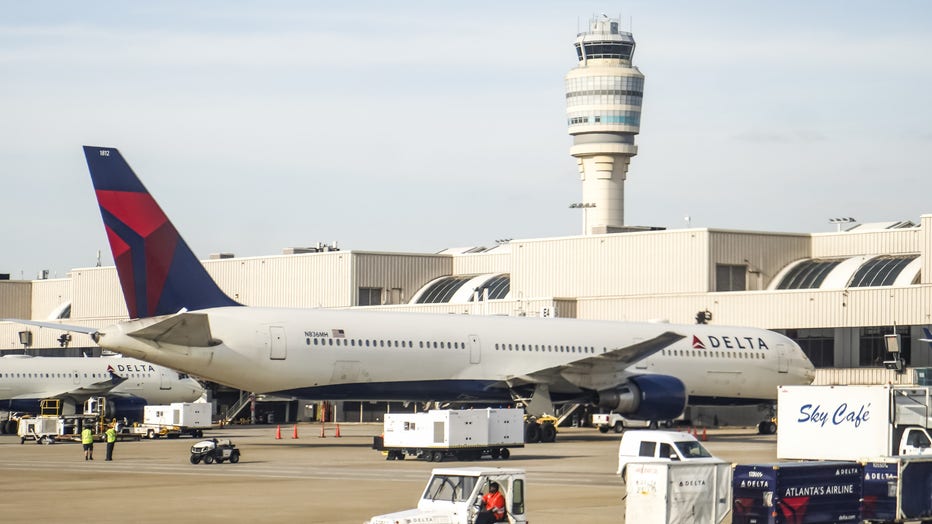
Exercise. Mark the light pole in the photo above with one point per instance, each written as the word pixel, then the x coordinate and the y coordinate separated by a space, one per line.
pixel 584 206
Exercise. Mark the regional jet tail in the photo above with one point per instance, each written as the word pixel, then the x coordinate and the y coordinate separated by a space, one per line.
pixel 184 321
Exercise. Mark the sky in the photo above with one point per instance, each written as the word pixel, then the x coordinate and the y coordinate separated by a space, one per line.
pixel 418 126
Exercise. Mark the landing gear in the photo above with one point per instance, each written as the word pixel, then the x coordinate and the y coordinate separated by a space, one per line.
pixel 767 427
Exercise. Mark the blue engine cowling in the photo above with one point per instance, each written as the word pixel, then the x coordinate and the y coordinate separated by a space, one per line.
pixel 129 407
pixel 646 397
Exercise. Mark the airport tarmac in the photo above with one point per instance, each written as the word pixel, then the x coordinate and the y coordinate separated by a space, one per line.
pixel 308 479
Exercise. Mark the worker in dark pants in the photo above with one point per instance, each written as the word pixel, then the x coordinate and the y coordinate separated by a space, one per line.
pixel 111 440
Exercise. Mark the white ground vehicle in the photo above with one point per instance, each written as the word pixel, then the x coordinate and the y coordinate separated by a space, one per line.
pixel 617 423
pixel 466 434
pixel 853 422
pixel 173 420
pixel 214 451
pixel 646 445
pixel 454 495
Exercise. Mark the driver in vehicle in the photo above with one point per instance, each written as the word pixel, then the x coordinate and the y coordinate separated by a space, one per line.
pixel 494 506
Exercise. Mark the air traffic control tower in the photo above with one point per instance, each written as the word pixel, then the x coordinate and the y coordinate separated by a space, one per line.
pixel 603 109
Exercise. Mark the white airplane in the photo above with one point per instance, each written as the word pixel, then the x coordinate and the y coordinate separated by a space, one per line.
pixel 181 319
pixel 128 384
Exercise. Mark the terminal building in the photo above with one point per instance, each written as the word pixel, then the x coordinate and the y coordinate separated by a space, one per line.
pixel 838 294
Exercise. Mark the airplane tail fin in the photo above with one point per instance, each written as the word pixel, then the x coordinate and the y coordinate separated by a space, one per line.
pixel 158 272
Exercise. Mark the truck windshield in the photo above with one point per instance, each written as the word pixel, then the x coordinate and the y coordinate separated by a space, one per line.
pixel 454 488
pixel 691 449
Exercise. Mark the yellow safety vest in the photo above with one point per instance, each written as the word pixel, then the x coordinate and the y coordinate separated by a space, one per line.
pixel 111 435
pixel 87 437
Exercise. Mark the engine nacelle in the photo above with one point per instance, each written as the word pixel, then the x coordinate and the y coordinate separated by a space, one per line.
pixel 129 407
pixel 646 397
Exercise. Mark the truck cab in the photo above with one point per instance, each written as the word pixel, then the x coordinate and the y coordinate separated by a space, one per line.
pixel 914 441
pixel 660 446
pixel 454 495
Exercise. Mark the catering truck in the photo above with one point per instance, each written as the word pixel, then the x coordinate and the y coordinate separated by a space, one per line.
pixel 173 420
pixel 454 496
pixel 853 422
pixel 463 434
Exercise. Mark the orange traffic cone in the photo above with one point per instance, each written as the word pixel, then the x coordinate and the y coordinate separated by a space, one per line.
pixel 705 437
pixel 338 431
pixel 322 430
pixel 295 434
pixel 278 433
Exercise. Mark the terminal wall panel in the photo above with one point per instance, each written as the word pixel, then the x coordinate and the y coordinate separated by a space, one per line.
pixel 860 376
pixel 97 294
pixel 611 265
pixel 48 296
pixel 925 249
pixel 773 310
pixel 405 274
pixel 764 254
pixel 885 242
pixel 481 263
pixel 309 280
pixel 16 299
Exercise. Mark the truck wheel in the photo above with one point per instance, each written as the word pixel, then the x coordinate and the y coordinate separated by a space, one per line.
pixel 208 459
pixel 150 434
pixel 531 433
pixel 234 458
pixel 604 429
pixel 428 456
pixel 505 453
pixel 438 456
pixel 548 433
pixel 195 459
pixel 618 427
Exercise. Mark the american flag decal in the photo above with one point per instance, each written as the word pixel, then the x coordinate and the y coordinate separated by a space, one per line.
pixel 339 333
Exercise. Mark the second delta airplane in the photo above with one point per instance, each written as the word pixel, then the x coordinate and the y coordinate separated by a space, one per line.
pixel 181 319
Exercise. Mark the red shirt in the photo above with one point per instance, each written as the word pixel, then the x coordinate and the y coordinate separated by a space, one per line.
pixel 495 502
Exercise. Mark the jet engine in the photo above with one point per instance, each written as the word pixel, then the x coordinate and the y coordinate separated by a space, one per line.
pixel 646 397
pixel 130 407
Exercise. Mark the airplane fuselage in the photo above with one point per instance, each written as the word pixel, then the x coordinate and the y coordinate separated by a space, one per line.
pixel 24 380
pixel 339 354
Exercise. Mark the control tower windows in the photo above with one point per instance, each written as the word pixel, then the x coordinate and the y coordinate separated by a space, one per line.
pixel 626 118
pixel 604 49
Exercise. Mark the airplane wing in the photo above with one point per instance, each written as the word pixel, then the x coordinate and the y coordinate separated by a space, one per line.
pixel 599 371
pixel 183 329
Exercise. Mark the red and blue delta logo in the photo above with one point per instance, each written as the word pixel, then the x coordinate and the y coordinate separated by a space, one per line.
pixel 729 342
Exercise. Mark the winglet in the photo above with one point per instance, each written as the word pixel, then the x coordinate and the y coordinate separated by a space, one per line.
pixel 158 272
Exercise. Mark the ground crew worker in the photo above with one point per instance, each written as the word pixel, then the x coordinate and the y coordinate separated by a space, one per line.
pixel 111 440
pixel 87 439
pixel 494 506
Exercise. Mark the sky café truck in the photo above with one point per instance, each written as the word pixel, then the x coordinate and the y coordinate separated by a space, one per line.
pixel 853 422
pixel 454 496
